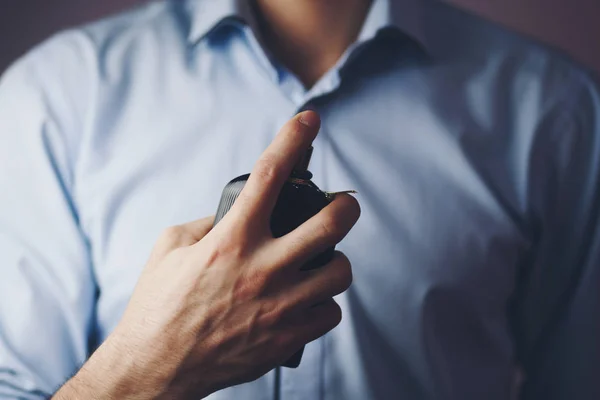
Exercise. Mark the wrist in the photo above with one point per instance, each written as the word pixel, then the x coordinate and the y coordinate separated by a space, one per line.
pixel 132 369
pixel 149 366
pixel 117 371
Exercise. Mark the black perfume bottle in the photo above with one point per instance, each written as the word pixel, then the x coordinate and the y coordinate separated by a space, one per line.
pixel 298 201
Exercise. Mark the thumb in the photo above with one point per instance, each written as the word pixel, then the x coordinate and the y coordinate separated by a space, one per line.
pixel 181 236
pixel 198 229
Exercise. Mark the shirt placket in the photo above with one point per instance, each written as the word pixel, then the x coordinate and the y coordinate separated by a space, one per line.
pixel 306 381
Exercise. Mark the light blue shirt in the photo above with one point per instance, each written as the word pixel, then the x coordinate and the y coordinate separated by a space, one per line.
pixel 476 155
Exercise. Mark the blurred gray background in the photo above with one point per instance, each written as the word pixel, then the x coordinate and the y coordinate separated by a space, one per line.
pixel 572 25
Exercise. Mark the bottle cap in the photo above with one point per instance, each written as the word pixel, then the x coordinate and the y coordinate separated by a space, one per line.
pixel 302 165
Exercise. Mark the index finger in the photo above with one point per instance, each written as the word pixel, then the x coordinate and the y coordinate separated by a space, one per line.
pixel 257 200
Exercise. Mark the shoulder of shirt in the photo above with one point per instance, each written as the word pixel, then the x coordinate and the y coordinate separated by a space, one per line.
pixel 467 42
pixel 79 56
pixel 60 76
pixel 94 40
pixel 151 18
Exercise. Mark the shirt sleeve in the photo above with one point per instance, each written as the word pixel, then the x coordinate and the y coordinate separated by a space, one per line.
pixel 558 327
pixel 47 288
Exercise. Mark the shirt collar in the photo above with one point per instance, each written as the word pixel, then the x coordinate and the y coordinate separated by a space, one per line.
pixel 208 14
pixel 405 15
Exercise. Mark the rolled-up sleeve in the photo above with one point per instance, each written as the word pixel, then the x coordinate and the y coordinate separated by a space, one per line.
pixel 47 289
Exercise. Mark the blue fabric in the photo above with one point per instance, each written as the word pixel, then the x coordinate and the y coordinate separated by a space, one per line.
pixel 475 152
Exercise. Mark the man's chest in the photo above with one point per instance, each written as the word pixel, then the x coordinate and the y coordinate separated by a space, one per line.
pixel 434 254
pixel 429 221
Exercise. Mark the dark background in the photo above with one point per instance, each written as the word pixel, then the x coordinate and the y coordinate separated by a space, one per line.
pixel 573 25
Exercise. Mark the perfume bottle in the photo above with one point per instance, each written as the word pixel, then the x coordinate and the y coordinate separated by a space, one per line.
pixel 298 201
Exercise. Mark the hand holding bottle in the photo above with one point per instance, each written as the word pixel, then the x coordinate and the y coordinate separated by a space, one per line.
pixel 218 307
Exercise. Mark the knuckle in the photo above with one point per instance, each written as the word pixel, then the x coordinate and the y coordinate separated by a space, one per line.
pixel 353 207
pixel 329 226
pixel 266 169
pixel 261 281
pixel 211 256
pixel 232 245
pixel 335 314
pixel 329 315
pixel 251 286
pixel 342 273
pixel 346 267
pixel 224 250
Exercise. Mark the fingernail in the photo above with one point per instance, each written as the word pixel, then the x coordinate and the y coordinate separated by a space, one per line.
pixel 310 119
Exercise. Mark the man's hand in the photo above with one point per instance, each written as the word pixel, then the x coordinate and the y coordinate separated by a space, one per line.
pixel 215 308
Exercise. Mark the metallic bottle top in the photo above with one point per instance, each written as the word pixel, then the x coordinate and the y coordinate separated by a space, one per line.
pixel 302 165
pixel 301 175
